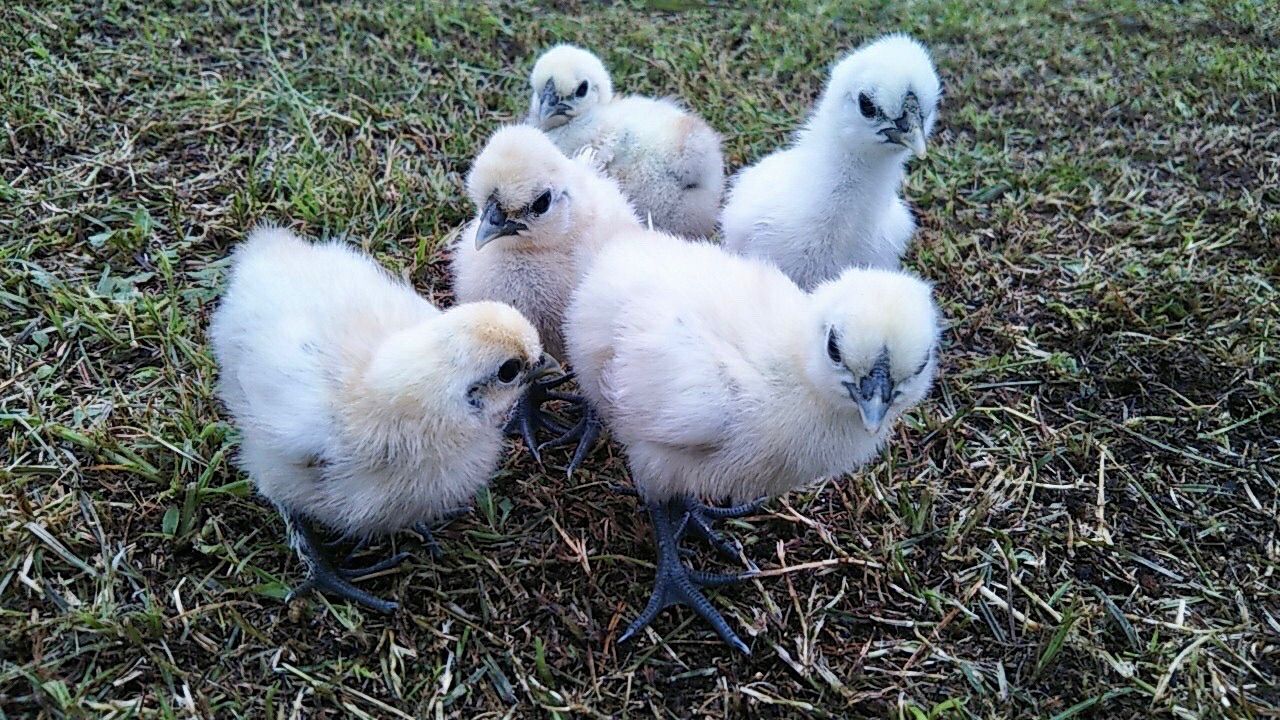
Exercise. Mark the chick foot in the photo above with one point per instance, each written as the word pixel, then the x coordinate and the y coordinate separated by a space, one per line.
pixel 701 518
pixel 326 575
pixel 428 536
pixel 528 417
pixel 585 433
pixel 677 584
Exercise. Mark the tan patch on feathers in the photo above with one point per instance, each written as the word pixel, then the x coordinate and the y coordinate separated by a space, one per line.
pixel 496 325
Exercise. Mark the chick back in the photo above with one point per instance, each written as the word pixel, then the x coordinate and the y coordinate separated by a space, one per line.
pixel 667 160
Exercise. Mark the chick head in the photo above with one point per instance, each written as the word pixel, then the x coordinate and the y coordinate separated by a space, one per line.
pixel 874 343
pixel 567 82
pixel 474 360
pixel 520 185
pixel 883 97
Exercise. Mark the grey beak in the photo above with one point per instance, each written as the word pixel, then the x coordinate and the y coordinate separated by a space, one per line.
pixel 549 105
pixel 495 224
pixel 908 129
pixel 872 395
pixel 873 411
pixel 547 365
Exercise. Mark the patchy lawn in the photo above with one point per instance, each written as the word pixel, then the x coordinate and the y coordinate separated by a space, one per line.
pixel 1081 522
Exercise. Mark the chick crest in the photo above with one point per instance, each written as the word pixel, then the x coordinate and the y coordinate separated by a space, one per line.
pixel 831 200
pixel 667 159
pixel 568 71
pixel 360 404
pixel 540 218
pixel 724 380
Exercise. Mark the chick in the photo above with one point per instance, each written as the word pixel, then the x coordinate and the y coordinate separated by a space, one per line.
pixel 542 218
pixel 831 200
pixel 363 408
pixel 725 381
pixel 667 159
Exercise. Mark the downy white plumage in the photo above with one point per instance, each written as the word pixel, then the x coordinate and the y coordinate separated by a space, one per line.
pixel 831 200
pixel 724 380
pixel 362 407
pixel 667 159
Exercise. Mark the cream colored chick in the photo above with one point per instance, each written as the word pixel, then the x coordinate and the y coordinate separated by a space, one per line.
pixel 831 200
pixel 542 218
pixel 724 380
pixel 362 407
pixel 667 159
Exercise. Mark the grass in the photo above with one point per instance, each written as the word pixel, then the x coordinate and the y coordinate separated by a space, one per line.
pixel 1080 523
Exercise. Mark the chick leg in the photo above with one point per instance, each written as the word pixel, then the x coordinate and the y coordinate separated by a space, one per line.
pixel 527 417
pixel 325 575
pixel 676 583
pixel 699 519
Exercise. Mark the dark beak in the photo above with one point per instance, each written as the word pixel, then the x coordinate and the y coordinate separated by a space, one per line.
pixel 873 395
pixel 908 129
pixel 549 105
pixel 494 224
pixel 546 366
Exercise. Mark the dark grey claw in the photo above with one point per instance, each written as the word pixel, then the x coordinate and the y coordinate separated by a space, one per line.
pixel 323 574
pixel 429 537
pixel 676 584
pixel 590 434
pixel 356 549
pixel 429 540
pixel 706 579
pixel 699 523
pixel 385 564
pixel 454 514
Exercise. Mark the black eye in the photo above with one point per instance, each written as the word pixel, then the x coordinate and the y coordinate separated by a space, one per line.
pixel 833 347
pixel 510 370
pixel 867 107
pixel 542 204
pixel 582 89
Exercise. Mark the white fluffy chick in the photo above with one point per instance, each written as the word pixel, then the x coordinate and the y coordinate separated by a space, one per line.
pixel 831 200
pixel 667 159
pixel 362 407
pixel 724 380
pixel 542 218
